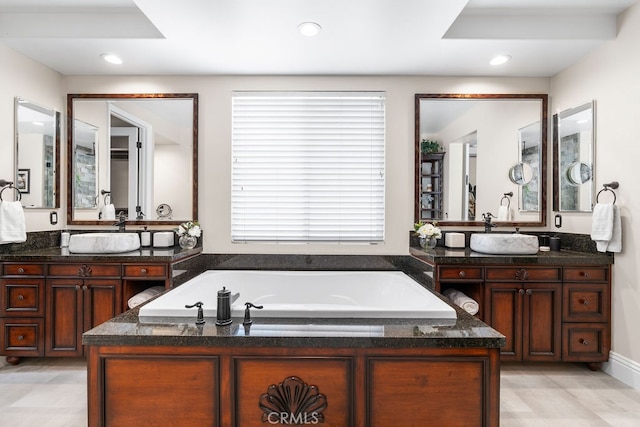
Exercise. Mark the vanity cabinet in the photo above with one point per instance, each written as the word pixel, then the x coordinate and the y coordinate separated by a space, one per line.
pixel 547 313
pixel 524 304
pixel 45 307
pixel 22 310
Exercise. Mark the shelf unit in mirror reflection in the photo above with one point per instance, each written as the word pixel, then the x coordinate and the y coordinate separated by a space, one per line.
pixel 482 136
pixel 146 149
pixel 432 170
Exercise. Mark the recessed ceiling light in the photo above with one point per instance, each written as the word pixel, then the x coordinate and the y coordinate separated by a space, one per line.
pixel 309 29
pixel 500 59
pixel 111 59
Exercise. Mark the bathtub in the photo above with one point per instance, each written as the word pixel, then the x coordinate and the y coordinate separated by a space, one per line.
pixel 302 294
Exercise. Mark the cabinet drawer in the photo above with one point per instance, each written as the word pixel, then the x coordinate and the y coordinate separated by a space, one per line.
pixel 20 269
pixel 145 270
pixel 586 274
pixel 22 337
pixel 22 297
pixel 85 270
pixel 585 342
pixel 585 302
pixel 460 273
pixel 524 274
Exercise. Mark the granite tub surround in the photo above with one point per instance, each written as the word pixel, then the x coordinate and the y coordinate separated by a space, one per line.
pixel 465 332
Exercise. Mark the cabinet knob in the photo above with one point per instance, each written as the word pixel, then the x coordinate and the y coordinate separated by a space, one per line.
pixel 584 341
pixel 20 337
pixel 528 291
pixel 462 273
pixel 20 297
pixel 20 270
pixel 85 287
pixel 585 302
pixel 143 270
pixel 521 291
pixel 584 273
pixel 77 287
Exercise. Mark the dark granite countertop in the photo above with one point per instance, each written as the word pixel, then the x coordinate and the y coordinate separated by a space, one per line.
pixel 56 254
pixel 465 332
pixel 443 255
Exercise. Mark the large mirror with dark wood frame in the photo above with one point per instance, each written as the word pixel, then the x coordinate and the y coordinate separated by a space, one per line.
pixel 478 154
pixel 134 155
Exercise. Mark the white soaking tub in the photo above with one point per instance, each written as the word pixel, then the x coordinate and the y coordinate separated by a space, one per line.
pixel 302 294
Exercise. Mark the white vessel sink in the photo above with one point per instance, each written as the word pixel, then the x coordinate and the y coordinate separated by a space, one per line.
pixel 504 244
pixel 103 243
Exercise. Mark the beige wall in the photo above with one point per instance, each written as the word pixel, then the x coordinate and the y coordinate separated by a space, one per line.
pixel 611 76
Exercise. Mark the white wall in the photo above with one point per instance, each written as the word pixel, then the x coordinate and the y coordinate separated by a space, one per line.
pixel 30 80
pixel 215 142
pixel 611 76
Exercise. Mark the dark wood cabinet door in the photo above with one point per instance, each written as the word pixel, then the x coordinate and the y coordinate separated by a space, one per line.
pixel 503 302
pixel 63 324
pixel 101 301
pixel 542 323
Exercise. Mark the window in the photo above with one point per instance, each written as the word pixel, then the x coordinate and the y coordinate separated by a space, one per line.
pixel 308 167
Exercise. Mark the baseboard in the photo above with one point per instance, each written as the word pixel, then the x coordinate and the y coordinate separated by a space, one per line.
pixel 623 369
pixel 3 361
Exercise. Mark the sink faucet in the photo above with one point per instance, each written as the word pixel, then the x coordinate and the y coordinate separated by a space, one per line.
pixel 488 225
pixel 121 222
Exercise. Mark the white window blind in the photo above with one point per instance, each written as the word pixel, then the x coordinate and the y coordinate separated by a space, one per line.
pixel 308 167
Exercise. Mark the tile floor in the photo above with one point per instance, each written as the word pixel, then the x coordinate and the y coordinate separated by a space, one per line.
pixel 52 393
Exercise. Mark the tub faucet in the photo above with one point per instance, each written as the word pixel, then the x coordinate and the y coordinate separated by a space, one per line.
pixel 121 222
pixel 488 225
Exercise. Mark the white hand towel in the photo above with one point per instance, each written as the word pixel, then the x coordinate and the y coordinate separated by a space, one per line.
pixel 109 212
pixel 462 300
pixel 504 213
pixel 12 223
pixel 615 244
pixel 602 225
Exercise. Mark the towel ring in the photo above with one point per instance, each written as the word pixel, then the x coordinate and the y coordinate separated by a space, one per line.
pixel 507 197
pixel 608 187
pixel 18 192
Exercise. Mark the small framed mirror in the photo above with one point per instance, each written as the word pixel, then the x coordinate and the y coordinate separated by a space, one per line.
pixel 574 159
pixel 37 155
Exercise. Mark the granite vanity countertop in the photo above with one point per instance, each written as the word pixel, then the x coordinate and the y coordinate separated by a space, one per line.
pixel 464 332
pixel 442 255
pixel 62 254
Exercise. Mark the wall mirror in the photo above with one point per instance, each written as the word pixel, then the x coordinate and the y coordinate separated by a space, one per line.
pixel 37 158
pixel 135 154
pixel 574 159
pixel 493 150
